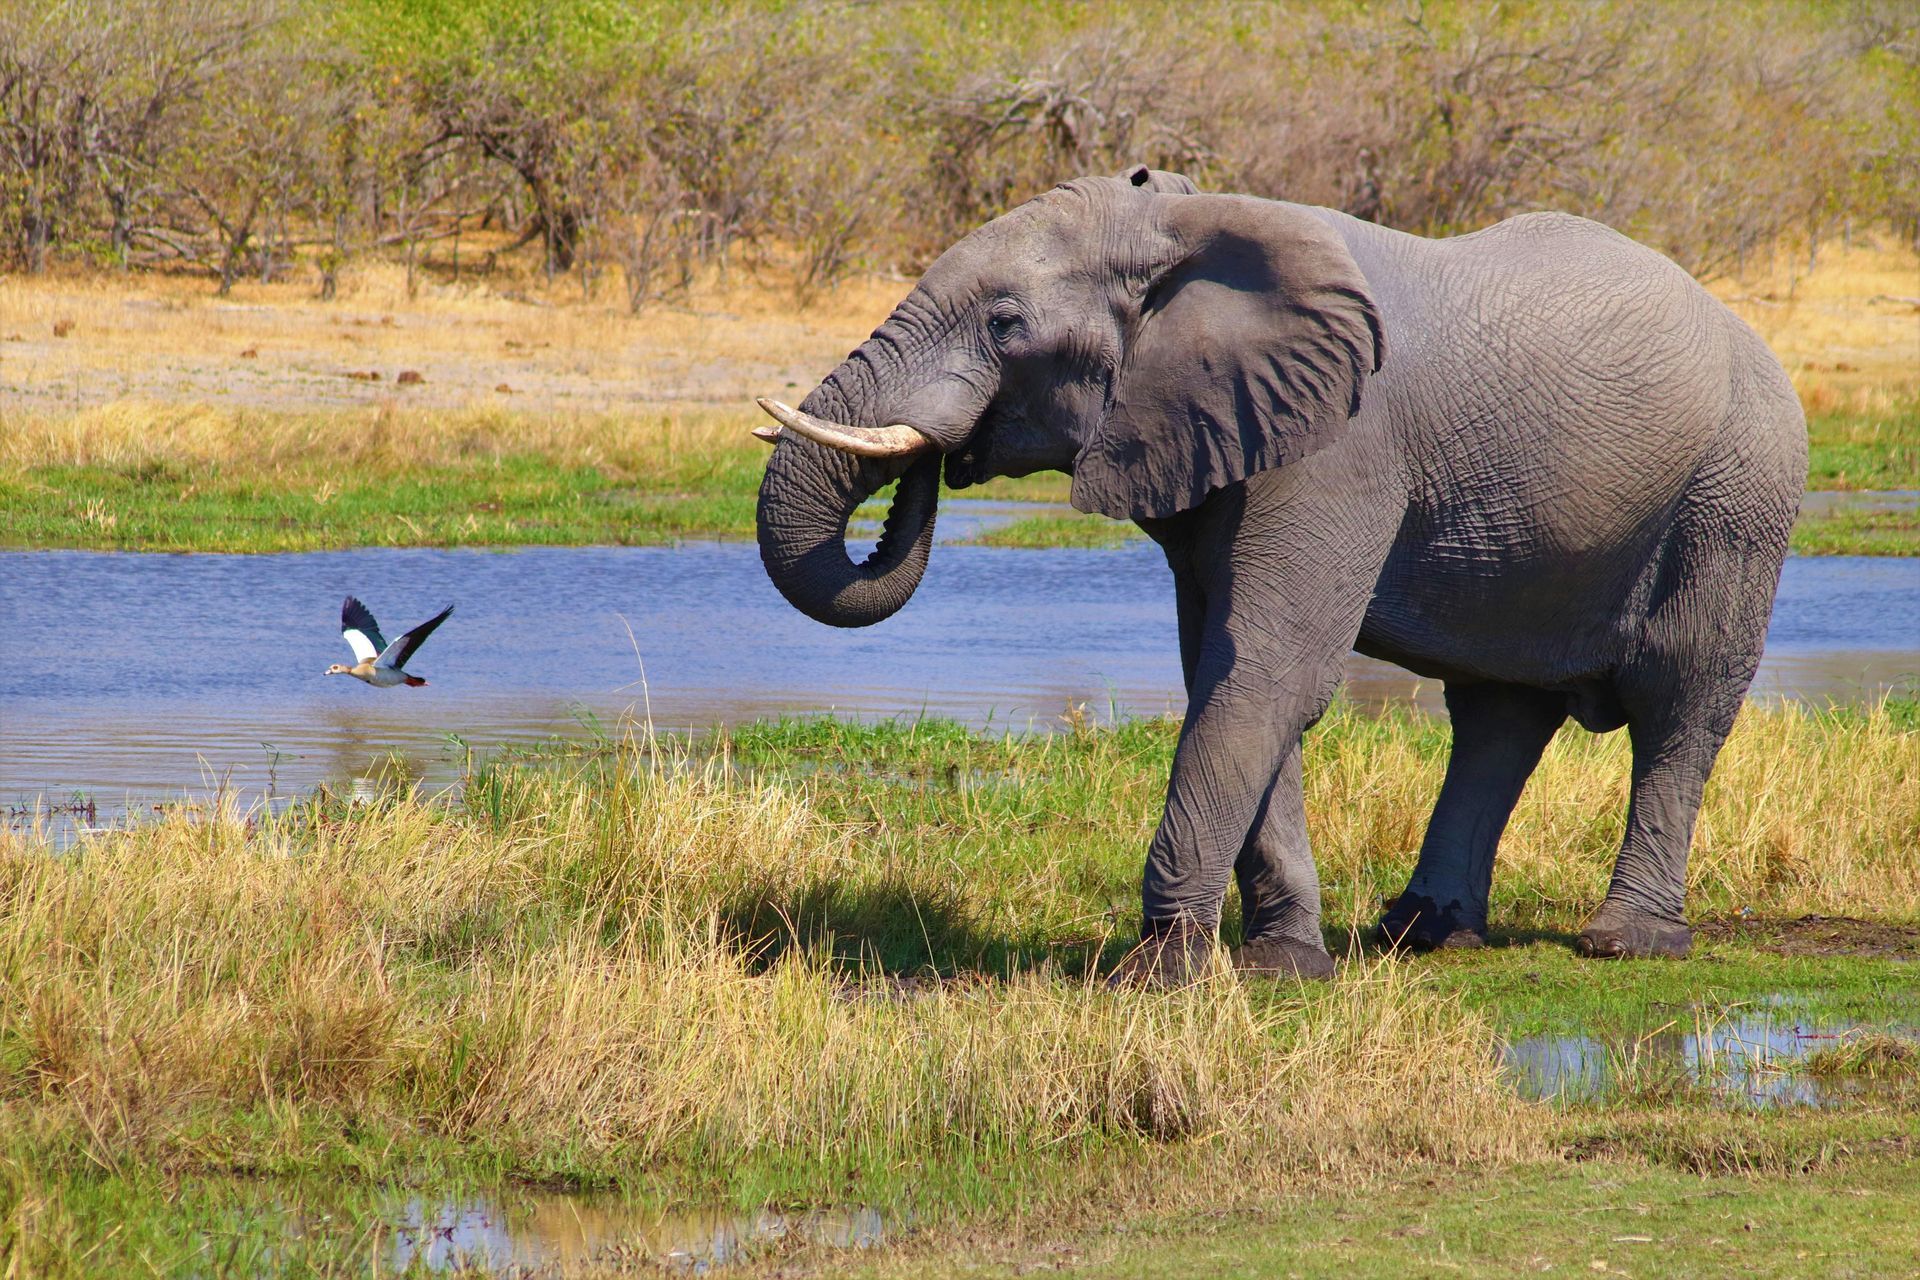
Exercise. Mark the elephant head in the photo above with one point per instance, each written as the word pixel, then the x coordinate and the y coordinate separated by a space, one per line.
pixel 1155 342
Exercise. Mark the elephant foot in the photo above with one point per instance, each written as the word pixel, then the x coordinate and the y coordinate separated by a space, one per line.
pixel 1619 932
pixel 1283 958
pixel 1171 953
pixel 1418 923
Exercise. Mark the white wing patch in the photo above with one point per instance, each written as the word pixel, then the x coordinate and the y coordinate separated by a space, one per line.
pixel 361 646
pixel 392 651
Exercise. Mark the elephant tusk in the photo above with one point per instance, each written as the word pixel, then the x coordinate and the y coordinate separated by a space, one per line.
pixel 893 441
pixel 770 434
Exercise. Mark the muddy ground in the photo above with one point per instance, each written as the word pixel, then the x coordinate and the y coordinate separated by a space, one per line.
pixel 1816 935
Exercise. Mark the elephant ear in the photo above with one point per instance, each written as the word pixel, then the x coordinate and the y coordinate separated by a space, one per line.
pixel 1159 180
pixel 1254 335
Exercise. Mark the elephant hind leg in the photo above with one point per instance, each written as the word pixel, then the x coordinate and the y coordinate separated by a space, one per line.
pixel 1677 733
pixel 1644 913
pixel 1681 693
pixel 1499 731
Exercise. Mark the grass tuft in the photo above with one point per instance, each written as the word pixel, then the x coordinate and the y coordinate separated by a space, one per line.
pixel 1875 1055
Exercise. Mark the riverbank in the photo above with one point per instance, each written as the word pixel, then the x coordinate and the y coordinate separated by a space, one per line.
pixel 792 963
pixel 145 415
pixel 139 477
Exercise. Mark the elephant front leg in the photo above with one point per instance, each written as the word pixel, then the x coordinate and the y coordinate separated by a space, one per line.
pixel 1237 761
pixel 1273 576
pixel 1233 800
pixel 1279 885
pixel 1280 888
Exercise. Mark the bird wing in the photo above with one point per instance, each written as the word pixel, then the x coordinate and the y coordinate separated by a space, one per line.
pixel 360 631
pixel 397 653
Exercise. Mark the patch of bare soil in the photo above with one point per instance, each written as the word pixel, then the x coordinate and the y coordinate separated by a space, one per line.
pixel 68 344
pixel 1817 935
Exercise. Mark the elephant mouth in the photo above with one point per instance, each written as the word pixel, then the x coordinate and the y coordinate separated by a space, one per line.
pixel 964 470
pixel 971 463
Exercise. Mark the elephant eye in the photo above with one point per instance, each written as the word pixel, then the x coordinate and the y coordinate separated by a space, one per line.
pixel 1003 325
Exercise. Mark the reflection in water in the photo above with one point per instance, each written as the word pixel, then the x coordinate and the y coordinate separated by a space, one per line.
pixel 1826 502
pixel 530 1231
pixel 1752 1060
pixel 133 679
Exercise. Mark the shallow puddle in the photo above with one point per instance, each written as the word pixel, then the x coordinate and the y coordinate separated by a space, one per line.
pixel 533 1233
pixel 1753 1059
pixel 547 1230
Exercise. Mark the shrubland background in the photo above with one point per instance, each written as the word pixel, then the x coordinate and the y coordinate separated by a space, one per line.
pixel 632 145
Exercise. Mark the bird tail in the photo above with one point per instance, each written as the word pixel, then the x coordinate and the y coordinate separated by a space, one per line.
pixel 414 682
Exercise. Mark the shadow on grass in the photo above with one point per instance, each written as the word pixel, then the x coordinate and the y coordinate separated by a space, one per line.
pixel 1366 940
pixel 896 930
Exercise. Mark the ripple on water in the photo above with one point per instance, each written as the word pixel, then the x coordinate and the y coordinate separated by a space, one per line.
pixel 137 679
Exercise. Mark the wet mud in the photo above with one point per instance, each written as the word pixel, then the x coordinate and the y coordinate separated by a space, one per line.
pixel 1815 935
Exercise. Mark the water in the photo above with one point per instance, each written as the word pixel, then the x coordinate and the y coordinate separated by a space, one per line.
pixel 528 1231
pixel 1751 1059
pixel 269 1227
pixel 1826 502
pixel 131 680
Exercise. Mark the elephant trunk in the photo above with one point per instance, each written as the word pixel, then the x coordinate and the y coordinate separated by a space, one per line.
pixel 810 492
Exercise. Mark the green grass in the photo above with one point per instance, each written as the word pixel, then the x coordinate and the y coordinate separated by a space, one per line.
pixel 1559 1219
pixel 817 962
pixel 1877 448
pixel 1539 987
pixel 1060 531
pixel 280 482
pixel 1859 533
pixel 517 501
pixel 1854 1217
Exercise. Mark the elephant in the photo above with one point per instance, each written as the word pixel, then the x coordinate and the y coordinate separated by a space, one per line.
pixel 1538 463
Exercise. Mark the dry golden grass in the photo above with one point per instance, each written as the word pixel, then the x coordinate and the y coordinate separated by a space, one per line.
pixel 1842 331
pixel 125 435
pixel 1806 811
pixel 557 980
pixel 1849 331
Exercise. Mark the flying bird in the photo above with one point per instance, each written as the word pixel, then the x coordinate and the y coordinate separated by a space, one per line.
pixel 376 661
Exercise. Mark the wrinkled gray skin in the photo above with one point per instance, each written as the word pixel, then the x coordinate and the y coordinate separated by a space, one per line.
pixel 1538 463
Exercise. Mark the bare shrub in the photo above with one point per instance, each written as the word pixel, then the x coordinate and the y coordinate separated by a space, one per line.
pixel 249 166
pixel 94 98
pixel 546 140
pixel 654 233
pixel 1706 146
pixel 1438 129
pixel 1112 97
pixel 724 109
pixel 647 140
pixel 49 60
